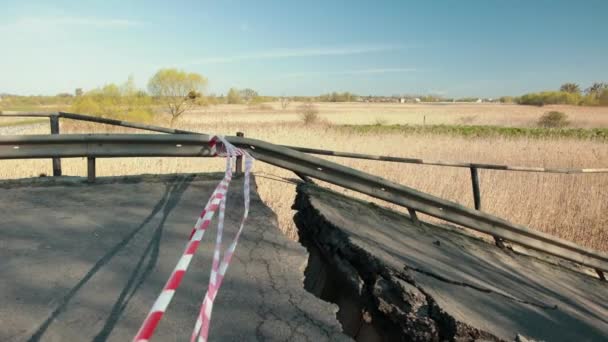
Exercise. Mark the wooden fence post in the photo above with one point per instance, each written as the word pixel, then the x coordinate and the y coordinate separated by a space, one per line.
pixel 239 159
pixel 55 130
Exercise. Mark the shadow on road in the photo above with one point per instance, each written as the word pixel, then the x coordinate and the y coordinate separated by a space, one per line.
pixel 142 269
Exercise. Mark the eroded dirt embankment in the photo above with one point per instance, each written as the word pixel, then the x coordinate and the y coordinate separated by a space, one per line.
pixel 395 281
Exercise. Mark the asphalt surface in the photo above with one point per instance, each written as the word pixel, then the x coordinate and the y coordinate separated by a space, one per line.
pixel 476 284
pixel 85 262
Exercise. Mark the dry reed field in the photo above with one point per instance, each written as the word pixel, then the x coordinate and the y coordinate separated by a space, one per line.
pixel 511 115
pixel 573 207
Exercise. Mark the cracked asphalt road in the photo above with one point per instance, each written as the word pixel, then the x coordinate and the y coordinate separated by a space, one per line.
pixel 475 283
pixel 83 262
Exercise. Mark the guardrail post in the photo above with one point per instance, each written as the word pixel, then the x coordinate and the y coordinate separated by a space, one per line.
pixel 413 216
pixel 475 181
pixel 239 159
pixel 477 200
pixel 90 169
pixel 55 130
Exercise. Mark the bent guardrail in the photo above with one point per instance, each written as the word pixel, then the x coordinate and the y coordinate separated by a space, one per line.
pixel 473 167
pixel 192 145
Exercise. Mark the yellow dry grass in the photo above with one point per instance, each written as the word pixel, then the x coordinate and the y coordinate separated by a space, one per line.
pixel 511 115
pixel 573 207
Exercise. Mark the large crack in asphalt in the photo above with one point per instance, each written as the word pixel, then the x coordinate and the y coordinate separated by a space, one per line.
pixel 260 264
pixel 391 282
pixel 376 303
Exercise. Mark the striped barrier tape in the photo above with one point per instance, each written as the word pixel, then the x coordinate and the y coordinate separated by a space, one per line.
pixel 218 271
pixel 215 202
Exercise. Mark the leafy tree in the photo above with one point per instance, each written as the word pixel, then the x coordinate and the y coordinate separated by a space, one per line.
pixel 123 102
pixel 571 88
pixel 111 90
pixel 173 87
pixel 550 97
pixel 233 96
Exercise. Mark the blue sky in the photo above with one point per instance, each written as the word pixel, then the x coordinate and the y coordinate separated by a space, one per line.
pixel 452 48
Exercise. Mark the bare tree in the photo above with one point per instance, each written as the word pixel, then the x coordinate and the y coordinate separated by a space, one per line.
pixel 248 94
pixel 284 100
pixel 572 88
pixel 596 89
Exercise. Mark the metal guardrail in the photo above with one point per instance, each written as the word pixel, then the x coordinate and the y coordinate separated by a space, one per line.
pixel 103 146
pixel 113 145
pixel 415 200
pixel 473 167
pixel 467 165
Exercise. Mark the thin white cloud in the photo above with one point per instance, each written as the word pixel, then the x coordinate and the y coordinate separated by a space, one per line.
pixel 376 71
pixel 294 52
pixel 36 23
pixel 349 72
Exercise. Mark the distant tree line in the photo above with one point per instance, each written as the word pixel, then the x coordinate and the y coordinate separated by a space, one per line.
pixel 17 101
pixel 122 101
pixel 337 97
pixel 569 93
pixel 243 96
pixel 177 91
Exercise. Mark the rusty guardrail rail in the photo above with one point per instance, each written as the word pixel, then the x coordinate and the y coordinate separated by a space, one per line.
pixel 116 145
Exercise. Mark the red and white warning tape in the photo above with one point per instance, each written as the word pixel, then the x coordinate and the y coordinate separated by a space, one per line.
pixel 218 271
pixel 217 200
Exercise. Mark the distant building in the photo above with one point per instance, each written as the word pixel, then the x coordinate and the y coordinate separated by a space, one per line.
pixel 78 92
pixel 479 101
pixel 402 100
pixel 417 100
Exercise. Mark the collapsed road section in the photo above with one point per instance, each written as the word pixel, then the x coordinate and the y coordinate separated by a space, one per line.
pixel 395 280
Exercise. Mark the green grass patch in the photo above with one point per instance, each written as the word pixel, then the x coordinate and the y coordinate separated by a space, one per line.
pixel 483 131
pixel 22 122
pixel 23 108
pixel 33 108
